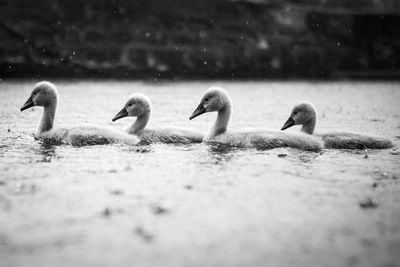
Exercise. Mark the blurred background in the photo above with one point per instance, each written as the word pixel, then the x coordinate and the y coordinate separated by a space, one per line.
pixel 200 39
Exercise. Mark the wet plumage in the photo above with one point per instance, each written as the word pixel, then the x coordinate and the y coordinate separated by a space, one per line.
pixel 305 114
pixel 217 100
pixel 45 94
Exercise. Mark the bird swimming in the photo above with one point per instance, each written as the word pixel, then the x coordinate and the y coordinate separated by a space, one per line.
pixel 45 94
pixel 139 106
pixel 305 114
pixel 217 99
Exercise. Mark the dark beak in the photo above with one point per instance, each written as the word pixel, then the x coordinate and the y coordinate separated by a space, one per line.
pixel 199 110
pixel 28 104
pixel 289 123
pixel 121 114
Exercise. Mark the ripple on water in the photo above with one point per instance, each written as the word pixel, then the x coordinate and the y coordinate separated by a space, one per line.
pixel 245 197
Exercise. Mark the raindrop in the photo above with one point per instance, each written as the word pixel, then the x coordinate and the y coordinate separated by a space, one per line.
pixel 106 212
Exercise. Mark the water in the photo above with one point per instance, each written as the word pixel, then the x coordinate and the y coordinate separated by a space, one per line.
pixel 197 205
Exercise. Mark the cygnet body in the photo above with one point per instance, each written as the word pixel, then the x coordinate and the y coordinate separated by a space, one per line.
pixel 217 99
pixel 45 94
pixel 305 114
pixel 139 106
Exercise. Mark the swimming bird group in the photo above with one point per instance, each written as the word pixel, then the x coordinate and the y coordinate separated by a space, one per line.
pixel 215 99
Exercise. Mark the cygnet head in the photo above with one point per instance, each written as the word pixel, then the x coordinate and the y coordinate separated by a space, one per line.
pixel 214 99
pixel 136 106
pixel 302 113
pixel 43 94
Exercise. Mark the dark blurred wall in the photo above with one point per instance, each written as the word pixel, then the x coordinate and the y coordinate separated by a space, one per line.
pixel 194 39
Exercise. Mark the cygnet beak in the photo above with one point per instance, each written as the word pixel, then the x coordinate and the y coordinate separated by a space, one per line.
pixel 121 114
pixel 199 110
pixel 28 104
pixel 289 123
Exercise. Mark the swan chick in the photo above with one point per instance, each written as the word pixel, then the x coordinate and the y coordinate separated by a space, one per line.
pixel 217 99
pixel 139 105
pixel 45 94
pixel 305 114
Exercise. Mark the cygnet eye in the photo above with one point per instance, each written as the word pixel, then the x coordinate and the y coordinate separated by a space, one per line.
pixel 206 99
pixel 295 113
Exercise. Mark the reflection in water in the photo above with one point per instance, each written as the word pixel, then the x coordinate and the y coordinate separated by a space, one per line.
pixel 210 154
pixel 221 148
pixel 307 158
pixel 216 191
pixel 221 153
pixel 46 150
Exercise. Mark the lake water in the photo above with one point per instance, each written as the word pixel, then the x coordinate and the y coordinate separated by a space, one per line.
pixel 198 205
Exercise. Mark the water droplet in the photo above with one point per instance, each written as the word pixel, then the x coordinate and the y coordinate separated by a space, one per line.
pixel 106 212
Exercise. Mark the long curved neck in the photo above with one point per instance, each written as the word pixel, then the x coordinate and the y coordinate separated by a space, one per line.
pixel 138 126
pixel 221 124
pixel 309 126
pixel 47 121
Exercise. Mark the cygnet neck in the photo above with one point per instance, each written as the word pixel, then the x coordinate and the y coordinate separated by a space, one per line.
pixel 309 126
pixel 222 121
pixel 141 121
pixel 47 121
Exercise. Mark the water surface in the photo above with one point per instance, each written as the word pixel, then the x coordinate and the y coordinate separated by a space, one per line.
pixel 199 205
